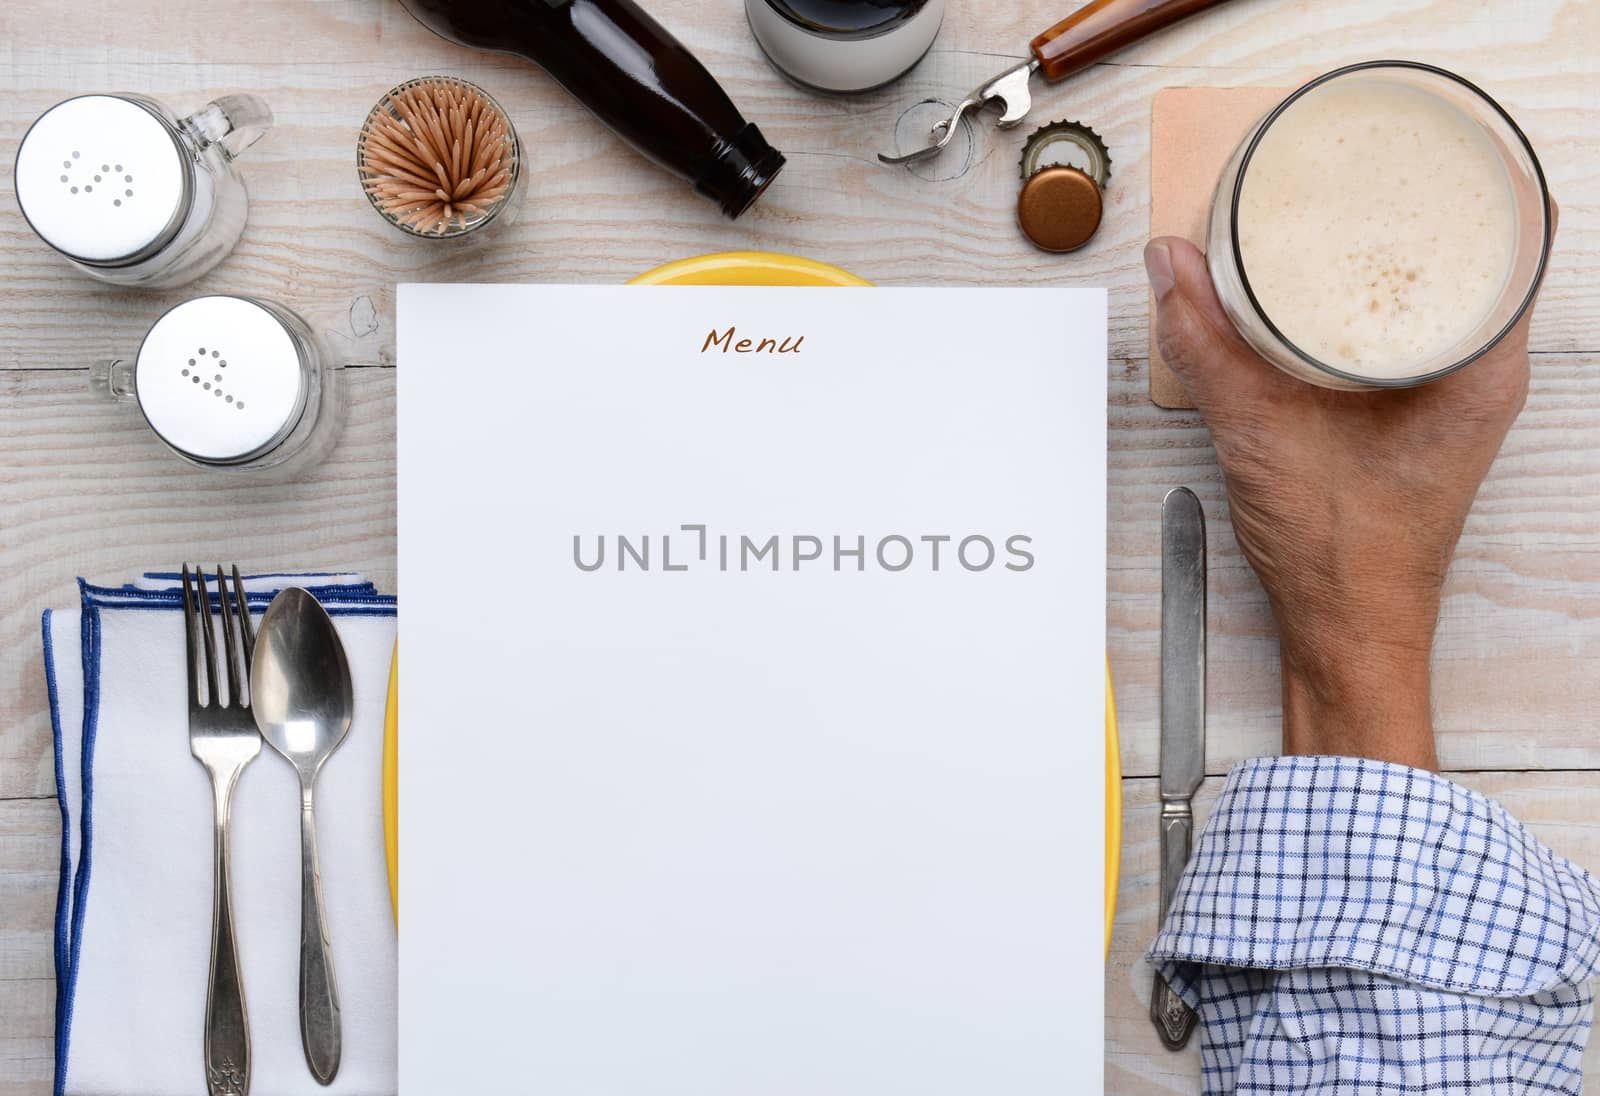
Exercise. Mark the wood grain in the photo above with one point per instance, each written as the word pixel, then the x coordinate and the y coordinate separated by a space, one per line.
pixel 595 211
pixel 30 848
pixel 83 490
pixel 87 490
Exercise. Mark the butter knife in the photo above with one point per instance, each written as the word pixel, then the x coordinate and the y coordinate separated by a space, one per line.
pixel 1183 718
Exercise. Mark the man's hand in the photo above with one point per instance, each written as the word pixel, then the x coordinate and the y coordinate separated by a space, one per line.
pixel 1347 504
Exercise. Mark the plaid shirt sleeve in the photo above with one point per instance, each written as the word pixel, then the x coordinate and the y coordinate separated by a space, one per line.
pixel 1353 928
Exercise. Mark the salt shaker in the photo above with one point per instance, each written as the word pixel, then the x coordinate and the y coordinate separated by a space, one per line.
pixel 235 385
pixel 130 193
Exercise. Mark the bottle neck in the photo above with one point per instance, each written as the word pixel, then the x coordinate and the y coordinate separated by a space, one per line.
pixel 623 65
pixel 740 172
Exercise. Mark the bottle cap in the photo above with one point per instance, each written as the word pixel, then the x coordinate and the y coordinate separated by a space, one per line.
pixel 1067 144
pixel 104 180
pixel 1059 208
pixel 222 379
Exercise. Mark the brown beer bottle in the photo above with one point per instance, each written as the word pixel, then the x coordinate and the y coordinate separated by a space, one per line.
pixel 621 64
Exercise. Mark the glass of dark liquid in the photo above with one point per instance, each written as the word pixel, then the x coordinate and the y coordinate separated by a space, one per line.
pixel 844 46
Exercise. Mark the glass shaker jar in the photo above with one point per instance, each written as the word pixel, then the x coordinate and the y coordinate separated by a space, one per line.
pixel 235 385
pixel 132 194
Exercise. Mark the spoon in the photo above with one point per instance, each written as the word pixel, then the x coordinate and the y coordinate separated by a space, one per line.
pixel 300 694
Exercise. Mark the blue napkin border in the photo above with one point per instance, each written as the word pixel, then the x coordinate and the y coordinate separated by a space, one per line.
pixel 349 599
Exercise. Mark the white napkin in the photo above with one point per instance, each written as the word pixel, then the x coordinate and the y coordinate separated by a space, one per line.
pixel 133 930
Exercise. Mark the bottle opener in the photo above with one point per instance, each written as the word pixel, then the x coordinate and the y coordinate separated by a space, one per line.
pixel 1090 34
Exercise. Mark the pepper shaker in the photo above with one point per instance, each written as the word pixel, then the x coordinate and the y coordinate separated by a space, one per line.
pixel 233 384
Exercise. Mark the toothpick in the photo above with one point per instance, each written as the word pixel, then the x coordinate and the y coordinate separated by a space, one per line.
pixel 436 155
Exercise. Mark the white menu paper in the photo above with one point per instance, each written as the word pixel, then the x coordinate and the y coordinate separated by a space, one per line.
pixel 754 690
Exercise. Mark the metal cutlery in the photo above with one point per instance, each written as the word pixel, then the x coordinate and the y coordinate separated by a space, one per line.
pixel 302 700
pixel 1183 718
pixel 223 738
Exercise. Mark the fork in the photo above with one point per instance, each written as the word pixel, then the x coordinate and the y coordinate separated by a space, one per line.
pixel 223 738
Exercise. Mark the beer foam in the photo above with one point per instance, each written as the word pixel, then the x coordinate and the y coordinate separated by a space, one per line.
pixel 1376 226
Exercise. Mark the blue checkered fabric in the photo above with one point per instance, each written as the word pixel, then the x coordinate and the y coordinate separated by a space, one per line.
pixel 1352 928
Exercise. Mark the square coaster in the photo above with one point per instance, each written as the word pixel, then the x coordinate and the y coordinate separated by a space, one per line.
pixel 1193 132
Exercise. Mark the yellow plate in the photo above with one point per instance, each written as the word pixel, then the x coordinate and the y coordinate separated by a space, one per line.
pixel 1113 807
pixel 756 268
pixel 747 268
pixel 391 782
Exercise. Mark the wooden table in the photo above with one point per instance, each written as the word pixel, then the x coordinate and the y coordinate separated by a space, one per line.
pixel 84 490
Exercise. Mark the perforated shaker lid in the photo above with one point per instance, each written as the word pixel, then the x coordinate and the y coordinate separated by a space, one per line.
pixel 103 179
pixel 221 379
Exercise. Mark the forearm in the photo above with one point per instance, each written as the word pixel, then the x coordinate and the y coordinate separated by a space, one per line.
pixel 1368 702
